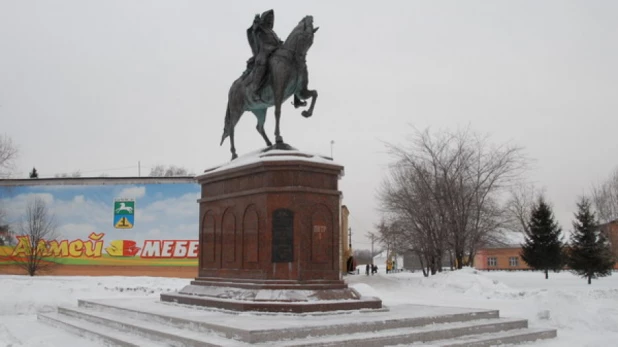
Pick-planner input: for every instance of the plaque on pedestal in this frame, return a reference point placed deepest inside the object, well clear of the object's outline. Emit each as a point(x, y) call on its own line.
point(283, 236)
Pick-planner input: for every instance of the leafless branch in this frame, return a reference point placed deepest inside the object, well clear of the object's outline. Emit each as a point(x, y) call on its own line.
point(605, 198)
point(444, 187)
point(522, 198)
point(37, 229)
point(8, 154)
point(170, 171)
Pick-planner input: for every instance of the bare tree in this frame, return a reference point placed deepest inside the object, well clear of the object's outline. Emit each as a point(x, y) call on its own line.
point(415, 214)
point(491, 170)
point(8, 153)
point(170, 171)
point(74, 174)
point(519, 205)
point(2, 212)
point(385, 235)
point(605, 198)
point(5, 231)
point(37, 229)
point(490, 229)
point(444, 188)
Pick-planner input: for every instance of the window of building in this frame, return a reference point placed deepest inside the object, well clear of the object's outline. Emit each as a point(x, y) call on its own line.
point(492, 261)
point(513, 261)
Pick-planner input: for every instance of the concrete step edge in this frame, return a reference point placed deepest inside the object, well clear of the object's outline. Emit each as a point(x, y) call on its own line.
point(148, 329)
point(265, 335)
point(515, 336)
point(434, 332)
point(166, 319)
point(103, 335)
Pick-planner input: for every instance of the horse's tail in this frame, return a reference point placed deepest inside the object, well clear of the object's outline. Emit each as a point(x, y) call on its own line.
point(228, 124)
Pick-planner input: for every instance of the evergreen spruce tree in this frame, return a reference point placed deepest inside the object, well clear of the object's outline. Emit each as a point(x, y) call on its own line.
point(590, 254)
point(543, 246)
point(34, 173)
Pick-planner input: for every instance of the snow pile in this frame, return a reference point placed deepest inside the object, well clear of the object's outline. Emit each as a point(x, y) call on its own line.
point(30, 295)
point(465, 281)
point(271, 155)
point(585, 315)
point(365, 290)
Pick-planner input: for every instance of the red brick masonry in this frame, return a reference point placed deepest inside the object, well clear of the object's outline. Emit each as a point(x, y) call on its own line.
point(268, 230)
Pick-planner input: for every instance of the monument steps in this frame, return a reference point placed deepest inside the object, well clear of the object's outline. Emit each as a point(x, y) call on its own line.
point(509, 337)
point(94, 332)
point(433, 332)
point(128, 332)
point(147, 322)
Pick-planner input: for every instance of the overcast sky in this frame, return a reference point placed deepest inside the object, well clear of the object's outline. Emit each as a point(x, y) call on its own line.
point(100, 85)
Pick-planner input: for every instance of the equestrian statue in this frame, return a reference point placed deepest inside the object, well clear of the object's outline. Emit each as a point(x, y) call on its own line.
point(276, 71)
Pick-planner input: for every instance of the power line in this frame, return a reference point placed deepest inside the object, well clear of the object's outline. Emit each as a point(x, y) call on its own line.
point(373, 239)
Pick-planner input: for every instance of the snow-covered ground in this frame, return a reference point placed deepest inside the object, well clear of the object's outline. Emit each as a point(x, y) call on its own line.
point(585, 315)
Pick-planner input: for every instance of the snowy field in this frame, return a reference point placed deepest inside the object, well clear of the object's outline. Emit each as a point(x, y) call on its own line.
point(585, 315)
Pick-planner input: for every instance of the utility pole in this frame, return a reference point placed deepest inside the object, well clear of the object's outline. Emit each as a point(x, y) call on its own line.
point(139, 169)
point(332, 142)
point(373, 237)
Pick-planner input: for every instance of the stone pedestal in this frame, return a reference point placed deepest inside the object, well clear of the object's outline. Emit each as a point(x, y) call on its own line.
point(270, 238)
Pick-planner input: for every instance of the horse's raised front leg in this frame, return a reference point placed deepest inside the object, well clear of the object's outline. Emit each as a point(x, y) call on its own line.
point(306, 94)
point(298, 102)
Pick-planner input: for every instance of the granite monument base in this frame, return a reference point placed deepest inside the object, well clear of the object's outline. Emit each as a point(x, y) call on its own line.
point(270, 237)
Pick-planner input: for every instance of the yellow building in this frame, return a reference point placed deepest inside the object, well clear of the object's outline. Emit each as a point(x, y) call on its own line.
point(344, 238)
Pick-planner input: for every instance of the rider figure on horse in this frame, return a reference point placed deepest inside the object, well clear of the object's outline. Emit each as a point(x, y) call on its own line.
point(263, 41)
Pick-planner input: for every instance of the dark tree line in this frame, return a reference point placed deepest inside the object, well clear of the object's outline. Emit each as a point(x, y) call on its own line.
point(543, 246)
point(588, 254)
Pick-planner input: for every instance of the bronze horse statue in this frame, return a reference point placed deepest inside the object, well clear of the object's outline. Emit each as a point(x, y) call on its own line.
point(287, 75)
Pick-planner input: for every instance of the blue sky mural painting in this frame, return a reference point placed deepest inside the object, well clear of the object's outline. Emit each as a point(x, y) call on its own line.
point(163, 211)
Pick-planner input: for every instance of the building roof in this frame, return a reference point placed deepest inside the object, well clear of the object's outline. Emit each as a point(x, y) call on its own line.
point(508, 246)
point(615, 221)
point(95, 181)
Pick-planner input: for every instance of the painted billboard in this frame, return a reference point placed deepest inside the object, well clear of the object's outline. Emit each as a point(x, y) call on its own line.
point(110, 222)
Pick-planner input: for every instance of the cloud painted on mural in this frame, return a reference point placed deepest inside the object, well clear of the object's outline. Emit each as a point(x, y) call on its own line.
point(163, 211)
point(73, 231)
point(133, 192)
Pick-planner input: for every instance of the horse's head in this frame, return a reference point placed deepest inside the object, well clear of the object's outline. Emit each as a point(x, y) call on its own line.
point(301, 38)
